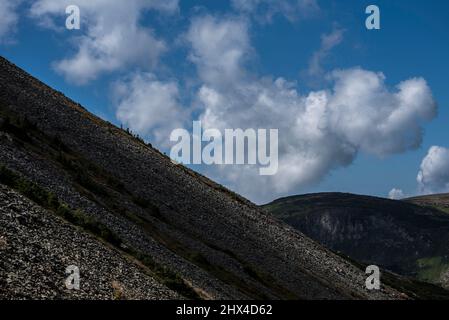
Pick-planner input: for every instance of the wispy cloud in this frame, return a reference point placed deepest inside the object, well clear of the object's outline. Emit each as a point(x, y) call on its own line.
point(328, 42)
point(112, 37)
point(265, 10)
point(8, 19)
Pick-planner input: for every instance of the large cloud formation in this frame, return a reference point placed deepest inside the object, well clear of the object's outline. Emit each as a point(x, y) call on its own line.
point(433, 176)
point(318, 131)
point(112, 37)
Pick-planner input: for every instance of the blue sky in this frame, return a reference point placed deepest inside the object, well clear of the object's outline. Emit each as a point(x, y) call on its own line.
point(275, 43)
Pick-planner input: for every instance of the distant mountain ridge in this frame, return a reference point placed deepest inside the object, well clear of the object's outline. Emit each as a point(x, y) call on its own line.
point(437, 201)
point(401, 236)
point(186, 235)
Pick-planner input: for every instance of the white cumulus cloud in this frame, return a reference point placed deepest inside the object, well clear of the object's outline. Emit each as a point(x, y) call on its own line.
point(318, 131)
point(219, 48)
point(148, 106)
point(112, 37)
point(433, 176)
point(396, 194)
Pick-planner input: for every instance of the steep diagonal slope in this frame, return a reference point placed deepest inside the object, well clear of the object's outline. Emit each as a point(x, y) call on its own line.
point(36, 248)
point(220, 244)
point(402, 237)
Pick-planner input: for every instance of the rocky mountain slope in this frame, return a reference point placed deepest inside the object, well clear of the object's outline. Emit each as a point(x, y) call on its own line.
point(78, 190)
point(34, 244)
point(399, 236)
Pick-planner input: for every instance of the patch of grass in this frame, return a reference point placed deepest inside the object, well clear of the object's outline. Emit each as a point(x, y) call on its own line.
point(48, 200)
point(171, 279)
point(262, 278)
point(116, 184)
point(83, 172)
point(431, 269)
point(57, 144)
point(441, 208)
point(17, 126)
point(252, 273)
point(198, 259)
point(413, 288)
point(144, 203)
point(80, 172)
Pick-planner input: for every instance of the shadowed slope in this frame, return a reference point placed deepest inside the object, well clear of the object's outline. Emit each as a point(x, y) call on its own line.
point(399, 236)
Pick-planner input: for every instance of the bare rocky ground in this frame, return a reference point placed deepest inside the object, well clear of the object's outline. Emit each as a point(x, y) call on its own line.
point(36, 247)
point(221, 245)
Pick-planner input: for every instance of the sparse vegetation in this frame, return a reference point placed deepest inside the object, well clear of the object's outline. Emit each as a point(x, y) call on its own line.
point(49, 201)
point(171, 279)
point(18, 126)
point(86, 175)
point(415, 289)
point(405, 234)
point(77, 217)
point(118, 292)
point(430, 269)
point(81, 174)
point(199, 259)
point(141, 202)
